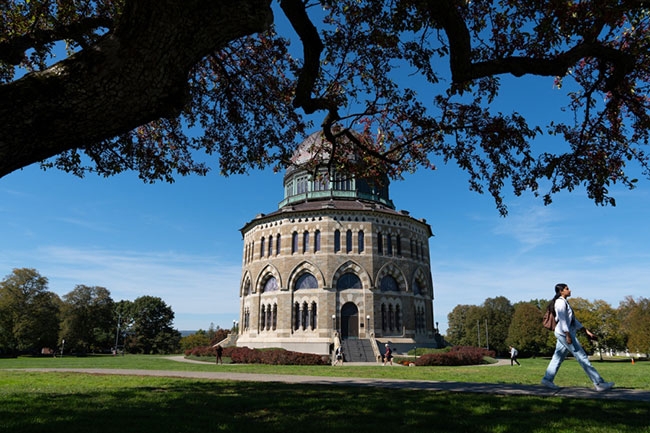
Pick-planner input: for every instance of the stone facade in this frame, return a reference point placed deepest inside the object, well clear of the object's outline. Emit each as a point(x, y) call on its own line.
point(335, 260)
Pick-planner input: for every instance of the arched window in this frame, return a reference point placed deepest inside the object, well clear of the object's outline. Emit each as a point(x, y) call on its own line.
point(348, 281)
point(337, 241)
point(380, 243)
point(270, 246)
point(271, 285)
point(391, 318)
point(305, 242)
point(317, 240)
point(388, 284)
point(294, 243)
point(277, 245)
point(389, 244)
point(416, 288)
point(247, 288)
point(398, 241)
point(263, 317)
point(262, 247)
point(306, 281)
point(361, 243)
point(348, 241)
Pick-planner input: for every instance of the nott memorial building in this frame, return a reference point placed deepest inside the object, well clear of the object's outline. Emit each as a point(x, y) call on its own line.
point(335, 264)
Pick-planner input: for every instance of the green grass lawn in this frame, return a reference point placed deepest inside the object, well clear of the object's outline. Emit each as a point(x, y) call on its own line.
point(39, 402)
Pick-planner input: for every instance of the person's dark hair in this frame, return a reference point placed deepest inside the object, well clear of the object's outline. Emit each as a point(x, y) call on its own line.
point(558, 289)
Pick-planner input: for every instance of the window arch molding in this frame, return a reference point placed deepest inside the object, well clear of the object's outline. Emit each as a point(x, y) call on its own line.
point(305, 267)
point(420, 281)
point(395, 272)
point(354, 268)
point(246, 287)
point(268, 272)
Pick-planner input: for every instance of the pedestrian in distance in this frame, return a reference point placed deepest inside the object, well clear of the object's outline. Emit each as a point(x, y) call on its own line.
point(513, 356)
point(338, 355)
point(565, 331)
point(219, 354)
point(388, 354)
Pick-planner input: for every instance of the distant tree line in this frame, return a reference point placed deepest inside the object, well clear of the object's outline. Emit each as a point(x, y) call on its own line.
point(497, 324)
point(87, 319)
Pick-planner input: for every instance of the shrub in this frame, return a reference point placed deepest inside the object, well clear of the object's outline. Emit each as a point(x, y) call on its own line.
point(457, 355)
point(245, 355)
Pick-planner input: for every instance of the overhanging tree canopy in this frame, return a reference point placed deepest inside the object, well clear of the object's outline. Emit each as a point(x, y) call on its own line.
point(148, 83)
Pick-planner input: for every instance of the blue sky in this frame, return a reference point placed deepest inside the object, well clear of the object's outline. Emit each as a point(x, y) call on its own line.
point(181, 241)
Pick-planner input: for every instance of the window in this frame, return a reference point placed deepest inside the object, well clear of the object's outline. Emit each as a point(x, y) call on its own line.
point(271, 285)
point(389, 244)
point(296, 316)
point(305, 242)
point(247, 288)
point(360, 246)
point(380, 243)
point(263, 317)
point(305, 316)
point(314, 315)
point(337, 241)
point(398, 319)
point(348, 281)
point(388, 284)
point(306, 281)
point(398, 241)
point(321, 182)
point(348, 241)
point(317, 240)
point(274, 317)
point(301, 185)
point(294, 243)
point(277, 245)
point(270, 246)
point(416, 288)
point(262, 247)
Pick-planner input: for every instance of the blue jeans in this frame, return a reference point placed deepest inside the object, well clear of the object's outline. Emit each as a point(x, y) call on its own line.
point(562, 349)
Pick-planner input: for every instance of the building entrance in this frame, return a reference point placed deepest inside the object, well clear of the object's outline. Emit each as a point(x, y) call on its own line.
point(349, 321)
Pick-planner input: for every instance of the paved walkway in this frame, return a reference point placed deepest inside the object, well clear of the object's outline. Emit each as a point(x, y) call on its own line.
point(466, 387)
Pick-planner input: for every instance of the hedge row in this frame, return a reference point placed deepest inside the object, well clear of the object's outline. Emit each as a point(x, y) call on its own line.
point(457, 355)
point(245, 355)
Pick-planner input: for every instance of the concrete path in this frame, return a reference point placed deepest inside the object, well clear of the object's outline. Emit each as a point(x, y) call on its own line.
point(430, 385)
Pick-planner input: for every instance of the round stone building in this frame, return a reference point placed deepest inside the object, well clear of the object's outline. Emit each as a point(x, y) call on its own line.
point(336, 263)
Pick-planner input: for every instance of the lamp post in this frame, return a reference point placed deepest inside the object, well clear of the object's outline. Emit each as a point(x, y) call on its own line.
point(117, 332)
point(62, 347)
point(368, 323)
point(334, 322)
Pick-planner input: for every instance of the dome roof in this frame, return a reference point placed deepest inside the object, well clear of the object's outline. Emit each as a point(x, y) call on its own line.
point(309, 177)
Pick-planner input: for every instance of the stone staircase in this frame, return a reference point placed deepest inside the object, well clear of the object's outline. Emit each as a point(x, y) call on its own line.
point(358, 350)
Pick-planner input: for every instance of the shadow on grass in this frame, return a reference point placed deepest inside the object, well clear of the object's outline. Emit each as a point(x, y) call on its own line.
point(178, 405)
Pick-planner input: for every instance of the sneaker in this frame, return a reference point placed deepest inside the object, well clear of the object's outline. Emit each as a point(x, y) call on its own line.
point(547, 383)
point(604, 386)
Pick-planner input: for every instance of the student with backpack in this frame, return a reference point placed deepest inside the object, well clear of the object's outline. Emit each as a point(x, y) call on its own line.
point(513, 356)
point(565, 332)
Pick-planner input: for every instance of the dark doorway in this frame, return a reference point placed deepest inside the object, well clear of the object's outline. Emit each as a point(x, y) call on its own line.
point(349, 321)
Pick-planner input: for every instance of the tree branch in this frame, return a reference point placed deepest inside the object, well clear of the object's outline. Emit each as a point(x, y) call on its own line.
point(134, 75)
